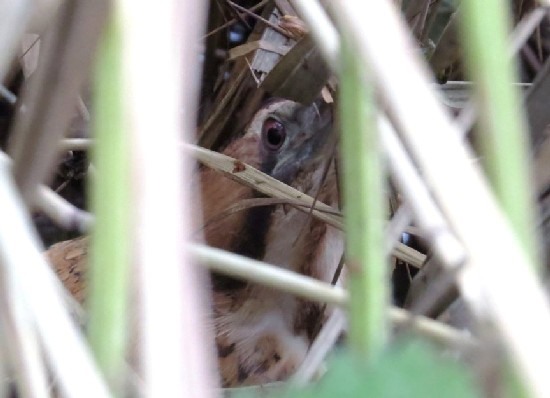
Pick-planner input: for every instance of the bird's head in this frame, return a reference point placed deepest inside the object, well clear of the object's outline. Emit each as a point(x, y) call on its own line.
point(286, 140)
point(291, 138)
point(263, 334)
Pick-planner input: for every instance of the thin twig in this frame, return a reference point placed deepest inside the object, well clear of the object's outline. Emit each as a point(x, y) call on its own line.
point(30, 47)
point(326, 168)
point(261, 19)
point(427, 214)
point(75, 144)
point(269, 186)
point(10, 97)
point(325, 340)
point(397, 225)
point(62, 212)
point(337, 324)
point(259, 272)
point(232, 21)
point(312, 289)
point(246, 204)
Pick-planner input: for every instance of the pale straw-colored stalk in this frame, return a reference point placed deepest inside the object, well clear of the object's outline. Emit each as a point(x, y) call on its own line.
point(161, 63)
point(312, 289)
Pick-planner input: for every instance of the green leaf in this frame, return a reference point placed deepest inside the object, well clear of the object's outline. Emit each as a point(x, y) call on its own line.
point(409, 368)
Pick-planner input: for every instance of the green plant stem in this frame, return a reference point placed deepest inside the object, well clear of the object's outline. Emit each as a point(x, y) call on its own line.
point(485, 27)
point(110, 250)
point(363, 209)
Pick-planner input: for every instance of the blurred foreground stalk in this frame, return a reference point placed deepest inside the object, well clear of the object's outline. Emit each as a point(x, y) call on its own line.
point(502, 131)
point(485, 28)
point(110, 256)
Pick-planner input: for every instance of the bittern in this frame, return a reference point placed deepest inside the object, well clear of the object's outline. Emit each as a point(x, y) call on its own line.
point(263, 334)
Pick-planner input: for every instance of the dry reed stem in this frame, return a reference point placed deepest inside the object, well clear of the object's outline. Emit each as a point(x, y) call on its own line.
point(275, 188)
point(23, 346)
point(14, 16)
point(325, 340)
point(60, 211)
point(309, 288)
point(270, 187)
point(51, 96)
point(426, 213)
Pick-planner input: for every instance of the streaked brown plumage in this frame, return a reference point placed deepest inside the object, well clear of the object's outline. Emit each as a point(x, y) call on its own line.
point(262, 334)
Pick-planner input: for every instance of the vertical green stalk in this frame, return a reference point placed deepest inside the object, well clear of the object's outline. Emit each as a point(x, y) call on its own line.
point(110, 194)
point(363, 208)
point(485, 26)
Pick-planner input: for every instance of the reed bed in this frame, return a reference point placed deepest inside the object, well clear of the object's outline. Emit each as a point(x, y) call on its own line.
point(160, 89)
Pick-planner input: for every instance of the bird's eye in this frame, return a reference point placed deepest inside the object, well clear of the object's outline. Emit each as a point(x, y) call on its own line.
point(273, 134)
